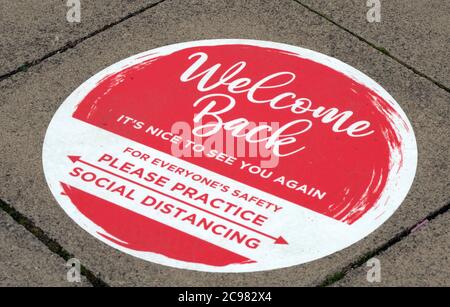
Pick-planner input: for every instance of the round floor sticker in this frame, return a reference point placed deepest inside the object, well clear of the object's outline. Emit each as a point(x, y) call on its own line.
point(230, 155)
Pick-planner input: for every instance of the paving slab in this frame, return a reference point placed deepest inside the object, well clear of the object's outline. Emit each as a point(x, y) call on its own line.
point(29, 99)
point(32, 29)
point(25, 261)
point(416, 32)
point(420, 260)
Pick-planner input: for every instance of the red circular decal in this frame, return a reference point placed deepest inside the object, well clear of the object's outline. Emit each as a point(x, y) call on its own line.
point(230, 155)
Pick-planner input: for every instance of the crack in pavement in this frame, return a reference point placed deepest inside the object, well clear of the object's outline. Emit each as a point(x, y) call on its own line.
point(380, 49)
point(50, 243)
point(335, 277)
point(73, 44)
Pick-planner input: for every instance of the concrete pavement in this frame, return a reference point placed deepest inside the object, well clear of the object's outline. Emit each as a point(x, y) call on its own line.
point(29, 98)
point(25, 261)
point(37, 29)
point(420, 259)
point(413, 32)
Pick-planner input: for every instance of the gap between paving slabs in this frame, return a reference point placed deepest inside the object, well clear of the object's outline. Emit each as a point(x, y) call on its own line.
point(72, 44)
point(333, 278)
point(51, 244)
point(381, 49)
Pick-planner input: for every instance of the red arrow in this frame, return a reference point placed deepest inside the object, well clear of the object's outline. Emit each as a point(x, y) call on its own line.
point(279, 240)
point(74, 158)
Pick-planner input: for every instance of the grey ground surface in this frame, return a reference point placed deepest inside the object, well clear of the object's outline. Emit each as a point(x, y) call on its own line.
point(29, 98)
point(25, 261)
point(414, 31)
point(33, 29)
point(422, 259)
